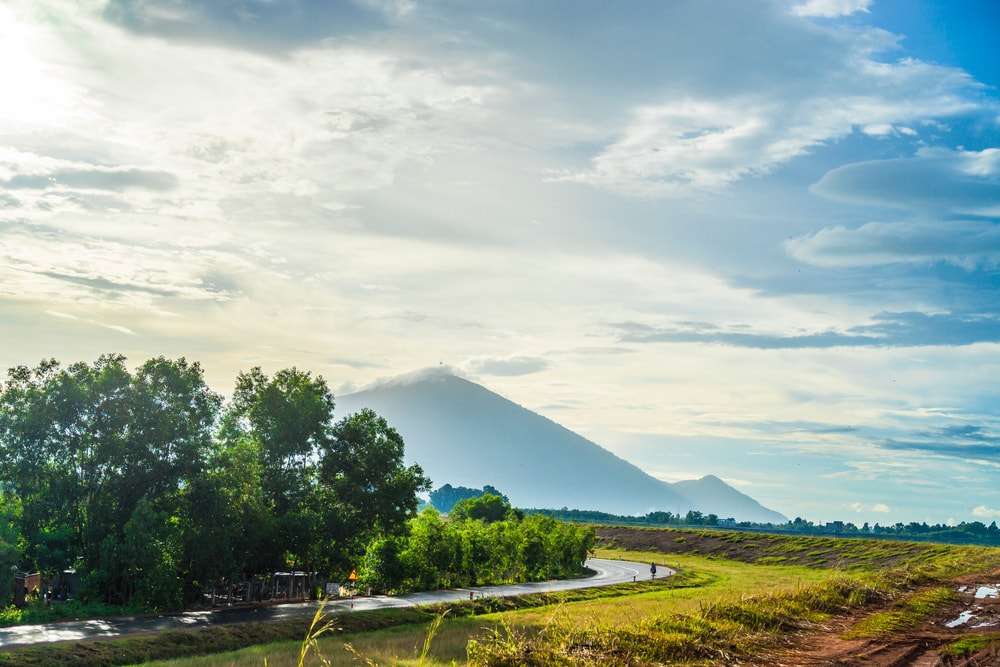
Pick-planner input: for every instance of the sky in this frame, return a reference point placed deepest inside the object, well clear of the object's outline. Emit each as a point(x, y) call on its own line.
point(754, 239)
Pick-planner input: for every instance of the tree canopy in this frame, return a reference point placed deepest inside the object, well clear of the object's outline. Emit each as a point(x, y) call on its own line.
point(155, 488)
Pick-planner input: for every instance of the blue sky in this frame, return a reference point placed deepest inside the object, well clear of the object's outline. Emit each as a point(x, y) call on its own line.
point(755, 239)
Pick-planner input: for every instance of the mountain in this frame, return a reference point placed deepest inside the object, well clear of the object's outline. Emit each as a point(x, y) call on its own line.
point(463, 434)
point(711, 495)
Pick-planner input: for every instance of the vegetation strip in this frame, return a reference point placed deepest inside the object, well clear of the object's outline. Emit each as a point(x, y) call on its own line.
point(181, 643)
point(827, 552)
point(970, 645)
point(909, 612)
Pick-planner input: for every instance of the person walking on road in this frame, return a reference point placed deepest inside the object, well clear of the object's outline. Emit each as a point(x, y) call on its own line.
point(652, 570)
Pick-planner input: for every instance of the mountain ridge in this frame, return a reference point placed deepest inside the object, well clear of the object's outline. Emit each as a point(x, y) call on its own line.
point(464, 434)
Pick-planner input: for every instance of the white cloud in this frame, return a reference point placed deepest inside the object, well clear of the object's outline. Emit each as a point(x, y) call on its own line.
point(682, 147)
point(935, 184)
point(509, 366)
point(965, 243)
point(831, 8)
point(878, 129)
point(112, 327)
point(860, 507)
point(935, 180)
point(984, 512)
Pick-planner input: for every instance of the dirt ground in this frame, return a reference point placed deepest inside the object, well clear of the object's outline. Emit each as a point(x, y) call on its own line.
point(926, 646)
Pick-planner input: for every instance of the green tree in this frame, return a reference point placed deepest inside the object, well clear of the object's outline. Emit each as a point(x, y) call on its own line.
point(290, 415)
point(487, 507)
point(81, 446)
point(375, 492)
point(381, 567)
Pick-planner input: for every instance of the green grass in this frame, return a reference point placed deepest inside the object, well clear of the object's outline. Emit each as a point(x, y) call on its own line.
point(38, 612)
point(719, 633)
point(970, 645)
point(907, 613)
point(720, 580)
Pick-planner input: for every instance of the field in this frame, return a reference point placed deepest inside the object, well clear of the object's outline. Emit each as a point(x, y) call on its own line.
point(739, 596)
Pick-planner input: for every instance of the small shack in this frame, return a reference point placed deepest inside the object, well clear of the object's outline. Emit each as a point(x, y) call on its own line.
point(65, 585)
point(291, 585)
point(26, 585)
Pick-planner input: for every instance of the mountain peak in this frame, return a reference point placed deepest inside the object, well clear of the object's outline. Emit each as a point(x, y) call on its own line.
point(441, 372)
point(464, 434)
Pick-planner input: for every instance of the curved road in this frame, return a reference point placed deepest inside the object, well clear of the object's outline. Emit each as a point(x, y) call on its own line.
point(608, 572)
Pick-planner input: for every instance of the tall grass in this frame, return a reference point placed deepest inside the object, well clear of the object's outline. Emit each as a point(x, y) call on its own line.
point(718, 632)
point(323, 624)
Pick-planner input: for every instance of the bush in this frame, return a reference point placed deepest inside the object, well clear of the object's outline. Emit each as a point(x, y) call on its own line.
point(464, 551)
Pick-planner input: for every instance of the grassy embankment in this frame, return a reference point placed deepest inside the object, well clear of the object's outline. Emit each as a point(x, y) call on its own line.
point(749, 591)
point(902, 575)
point(702, 579)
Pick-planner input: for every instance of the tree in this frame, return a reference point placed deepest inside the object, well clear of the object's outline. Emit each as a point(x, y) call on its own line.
point(445, 497)
point(487, 507)
point(290, 415)
point(381, 567)
point(361, 463)
point(228, 531)
point(11, 542)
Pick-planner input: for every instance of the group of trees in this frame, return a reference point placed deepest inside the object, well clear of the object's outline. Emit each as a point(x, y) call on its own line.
point(691, 518)
point(154, 488)
point(482, 541)
point(972, 532)
point(966, 532)
point(445, 497)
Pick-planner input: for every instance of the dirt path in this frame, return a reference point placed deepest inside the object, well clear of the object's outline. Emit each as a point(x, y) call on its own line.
point(976, 613)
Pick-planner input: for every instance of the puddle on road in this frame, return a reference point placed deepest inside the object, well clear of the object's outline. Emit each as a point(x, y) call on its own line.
point(987, 592)
point(962, 619)
point(982, 611)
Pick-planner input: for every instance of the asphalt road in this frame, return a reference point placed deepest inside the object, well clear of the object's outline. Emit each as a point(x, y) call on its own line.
point(608, 572)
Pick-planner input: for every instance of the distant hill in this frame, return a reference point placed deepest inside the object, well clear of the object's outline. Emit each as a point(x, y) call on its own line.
point(463, 434)
point(710, 495)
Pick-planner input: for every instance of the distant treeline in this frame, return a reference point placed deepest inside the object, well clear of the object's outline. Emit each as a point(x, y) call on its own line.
point(975, 532)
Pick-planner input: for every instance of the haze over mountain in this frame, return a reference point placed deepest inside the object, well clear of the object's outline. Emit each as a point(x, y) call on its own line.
point(464, 434)
point(713, 496)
